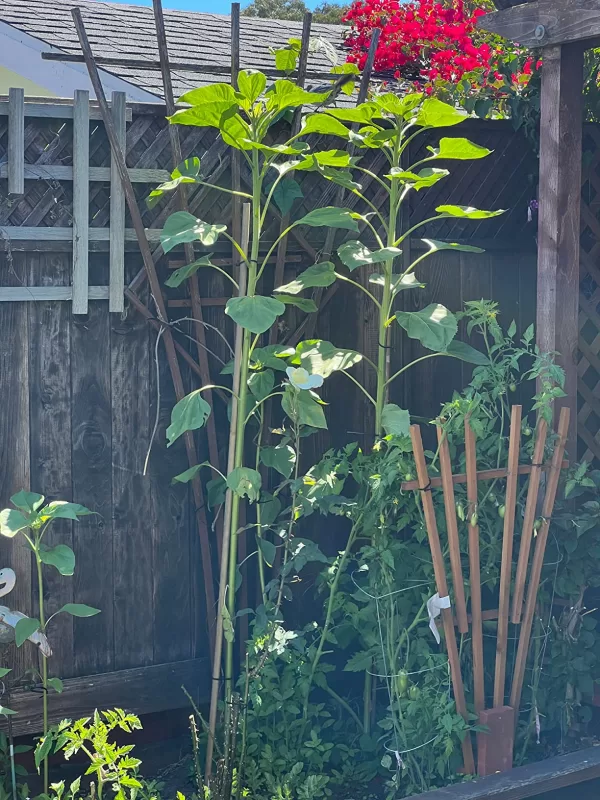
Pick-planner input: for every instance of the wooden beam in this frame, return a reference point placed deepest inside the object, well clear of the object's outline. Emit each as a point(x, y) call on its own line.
point(58, 172)
point(546, 23)
point(559, 213)
point(531, 780)
point(145, 690)
point(16, 142)
point(58, 108)
point(14, 233)
point(81, 199)
point(116, 299)
point(20, 294)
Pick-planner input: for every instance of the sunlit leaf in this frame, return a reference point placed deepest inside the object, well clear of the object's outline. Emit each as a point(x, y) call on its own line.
point(434, 326)
point(61, 509)
point(400, 283)
point(322, 274)
point(398, 106)
point(272, 356)
point(324, 124)
point(459, 149)
point(256, 314)
point(79, 610)
point(319, 357)
point(56, 684)
point(183, 227)
point(434, 245)
point(27, 501)
point(361, 113)
point(204, 115)
point(329, 217)
point(245, 482)
point(281, 458)
point(214, 93)
point(466, 212)
point(251, 84)
point(422, 179)
point(433, 113)
point(190, 413)
point(24, 629)
point(302, 408)
point(467, 353)
point(60, 556)
point(286, 59)
point(304, 304)
point(286, 94)
point(11, 522)
point(355, 254)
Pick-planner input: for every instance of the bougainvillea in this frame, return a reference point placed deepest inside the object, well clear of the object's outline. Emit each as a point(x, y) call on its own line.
point(435, 43)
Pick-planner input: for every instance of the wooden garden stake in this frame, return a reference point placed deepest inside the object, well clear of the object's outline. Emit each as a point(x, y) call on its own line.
point(442, 588)
point(507, 550)
point(538, 558)
point(474, 569)
point(529, 520)
point(155, 288)
point(216, 670)
point(452, 526)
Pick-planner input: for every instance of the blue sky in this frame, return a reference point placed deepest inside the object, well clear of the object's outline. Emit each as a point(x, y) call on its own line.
point(216, 6)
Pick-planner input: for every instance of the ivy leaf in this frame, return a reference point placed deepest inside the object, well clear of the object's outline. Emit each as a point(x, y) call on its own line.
point(261, 383)
point(267, 550)
point(257, 314)
point(27, 501)
point(355, 254)
point(285, 193)
point(308, 306)
point(423, 179)
point(24, 629)
point(251, 84)
point(319, 357)
point(434, 326)
point(190, 413)
point(181, 274)
point(60, 556)
point(434, 245)
point(465, 352)
point(301, 407)
point(183, 227)
point(324, 124)
point(459, 149)
point(79, 610)
point(322, 274)
point(11, 522)
point(395, 420)
point(282, 458)
point(56, 684)
point(466, 212)
point(329, 217)
point(436, 114)
point(245, 482)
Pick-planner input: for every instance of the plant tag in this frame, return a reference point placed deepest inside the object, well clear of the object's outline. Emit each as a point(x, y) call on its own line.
point(434, 609)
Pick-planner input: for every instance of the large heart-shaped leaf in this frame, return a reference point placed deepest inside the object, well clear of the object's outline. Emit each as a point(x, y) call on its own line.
point(325, 158)
point(79, 610)
point(282, 458)
point(286, 59)
point(324, 124)
point(213, 93)
point(329, 217)
point(285, 193)
point(27, 501)
point(434, 326)
point(181, 274)
point(24, 629)
point(395, 420)
point(286, 94)
point(466, 212)
point(245, 482)
point(436, 114)
point(261, 383)
point(400, 283)
point(360, 113)
point(304, 304)
point(11, 522)
point(257, 314)
point(61, 509)
point(251, 84)
point(467, 353)
point(434, 245)
point(459, 149)
point(60, 556)
point(318, 275)
point(301, 407)
point(183, 227)
point(355, 254)
point(190, 413)
point(319, 357)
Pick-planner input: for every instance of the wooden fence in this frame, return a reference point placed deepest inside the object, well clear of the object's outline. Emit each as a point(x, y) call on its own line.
point(82, 380)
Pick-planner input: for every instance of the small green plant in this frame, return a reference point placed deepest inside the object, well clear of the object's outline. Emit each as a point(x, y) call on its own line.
point(31, 518)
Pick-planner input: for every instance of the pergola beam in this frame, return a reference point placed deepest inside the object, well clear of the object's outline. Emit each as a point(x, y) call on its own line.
point(546, 23)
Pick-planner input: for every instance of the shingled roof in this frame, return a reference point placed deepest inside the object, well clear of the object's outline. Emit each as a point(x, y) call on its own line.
point(127, 31)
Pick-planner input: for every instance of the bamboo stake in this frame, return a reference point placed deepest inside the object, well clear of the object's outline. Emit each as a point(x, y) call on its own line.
point(452, 526)
point(474, 570)
point(174, 137)
point(507, 550)
point(529, 521)
point(216, 671)
point(155, 288)
point(442, 588)
point(538, 560)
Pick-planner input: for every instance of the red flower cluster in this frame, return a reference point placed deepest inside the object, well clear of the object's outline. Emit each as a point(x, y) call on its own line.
point(423, 40)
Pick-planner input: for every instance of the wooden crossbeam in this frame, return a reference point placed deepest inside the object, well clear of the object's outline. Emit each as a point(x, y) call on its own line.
point(55, 109)
point(547, 22)
point(58, 172)
point(483, 475)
